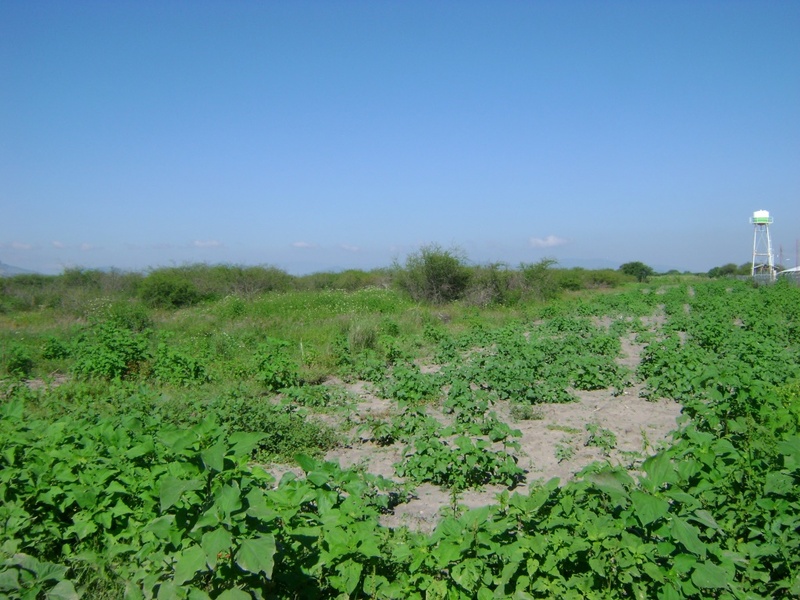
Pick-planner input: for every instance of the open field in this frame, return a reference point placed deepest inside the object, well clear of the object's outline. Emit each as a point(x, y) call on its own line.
point(639, 440)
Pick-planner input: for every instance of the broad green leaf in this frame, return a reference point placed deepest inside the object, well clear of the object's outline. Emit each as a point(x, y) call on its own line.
point(234, 594)
point(177, 440)
point(317, 478)
point(790, 449)
point(659, 469)
point(215, 543)
point(257, 555)
point(214, 457)
point(168, 590)
point(350, 572)
point(648, 508)
point(9, 580)
point(778, 484)
point(229, 499)
point(83, 527)
point(171, 489)
point(63, 590)
point(306, 463)
point(687, 535)
point(708, 575)
point(190, 561)
point(668, 592)
point(610, 483)
point(144, 447)
point(161, 526)
point(706, 518)
point(243, 442)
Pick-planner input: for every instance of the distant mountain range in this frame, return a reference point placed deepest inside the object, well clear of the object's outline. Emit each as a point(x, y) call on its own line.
point(10, 270)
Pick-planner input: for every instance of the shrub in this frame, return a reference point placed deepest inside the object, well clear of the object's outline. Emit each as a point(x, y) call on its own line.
point(110, 351)
point(128, 315)
point(168, 288)
point(18, 362)
point(491, 284)
point(286, 433)
point(539, 279)
point(637, 269)
point(54, 349)
point(274, 368)
point(175, 367)
point(434, 275)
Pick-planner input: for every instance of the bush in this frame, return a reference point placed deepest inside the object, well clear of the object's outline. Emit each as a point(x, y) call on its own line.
point(168, 288)
point(434, 275)
point(492, 284)
point(172, 366)
point(539, 279)
point(638, 270)
point(18, 362)
point(287, 433)
point(274, 368)
point(110, 351)
point(54, 349)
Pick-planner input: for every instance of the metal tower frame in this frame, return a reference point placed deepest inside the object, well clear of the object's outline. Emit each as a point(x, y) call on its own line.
point(762, 244)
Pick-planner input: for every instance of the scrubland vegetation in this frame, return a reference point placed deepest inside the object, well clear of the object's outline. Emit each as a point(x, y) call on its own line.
point(140, 415)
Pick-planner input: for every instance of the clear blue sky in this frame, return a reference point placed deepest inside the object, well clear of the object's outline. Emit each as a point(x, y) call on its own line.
point(327, 135)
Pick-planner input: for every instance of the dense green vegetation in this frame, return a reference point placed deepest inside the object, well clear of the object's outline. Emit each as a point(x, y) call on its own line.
point(138, 414)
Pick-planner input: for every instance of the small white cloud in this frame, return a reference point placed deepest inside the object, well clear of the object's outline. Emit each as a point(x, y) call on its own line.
point(349, 248)
point(86, 247)
point(21, 246)
point(551, 241)
point(207, 244)
point(57, 244)
point(303, 245)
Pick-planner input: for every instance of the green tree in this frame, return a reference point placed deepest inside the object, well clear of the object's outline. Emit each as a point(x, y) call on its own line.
point(637, 269)
point(539, 279)
point(434, 274)
point(726, 270)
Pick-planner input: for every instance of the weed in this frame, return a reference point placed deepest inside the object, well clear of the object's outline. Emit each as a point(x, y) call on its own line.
point(564, 452)
point(526, 412)
point(19, 362)
point(600, 437)
point(564, 428)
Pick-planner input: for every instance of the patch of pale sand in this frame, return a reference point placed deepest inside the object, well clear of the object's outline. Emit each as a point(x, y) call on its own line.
point(639, 426)
point(553, 445)
point(431, 503)
point(378, 460)
point(631, 352)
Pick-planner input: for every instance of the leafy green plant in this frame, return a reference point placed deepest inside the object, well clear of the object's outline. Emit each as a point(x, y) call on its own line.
point(274, 368)
point(526, 412)
point(19, 362)
point(110, 351)
point(564, 452)
point(283, 432)
point(23, 576)
point(409, 384)
point(600, 437)
point(54, 349)
point(434, 274)
point(178, 368)
point(168, 288)
point(317, 396)
point(467, 463)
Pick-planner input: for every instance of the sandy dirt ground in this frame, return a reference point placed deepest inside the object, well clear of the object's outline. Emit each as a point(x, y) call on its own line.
point(552, 445)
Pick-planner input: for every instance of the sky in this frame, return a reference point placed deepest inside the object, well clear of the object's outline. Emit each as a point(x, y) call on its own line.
point(327, 135)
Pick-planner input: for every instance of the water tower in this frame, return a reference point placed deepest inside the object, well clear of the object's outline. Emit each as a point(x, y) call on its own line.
point(762, 245)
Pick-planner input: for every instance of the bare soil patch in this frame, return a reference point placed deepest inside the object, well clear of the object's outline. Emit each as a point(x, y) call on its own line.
point(554, 444)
